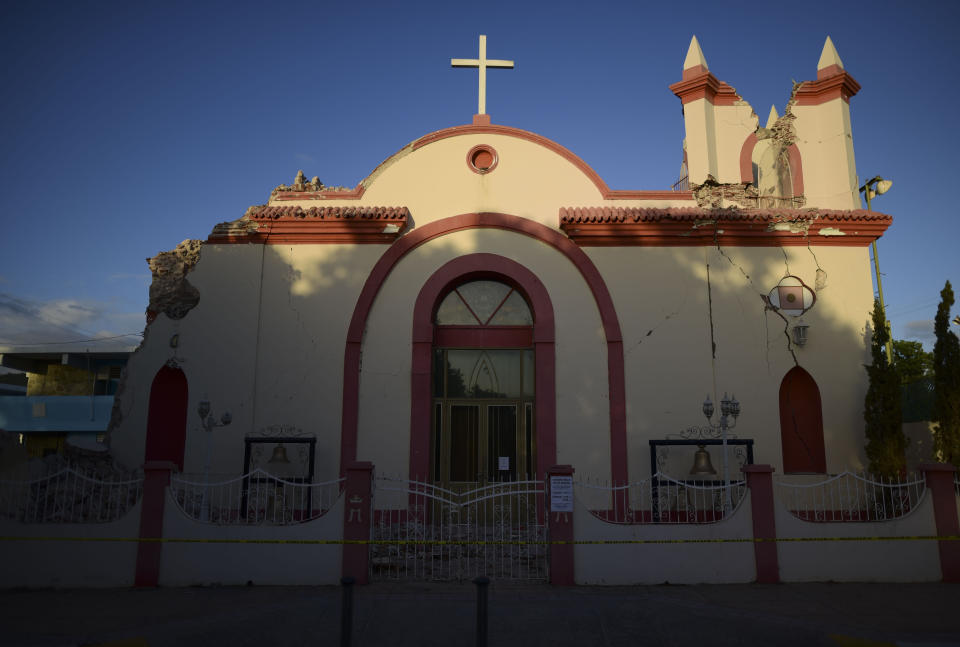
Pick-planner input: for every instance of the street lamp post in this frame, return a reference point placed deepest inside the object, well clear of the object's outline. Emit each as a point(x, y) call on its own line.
point(728, 407)
point(209, 423)
point(871, 188)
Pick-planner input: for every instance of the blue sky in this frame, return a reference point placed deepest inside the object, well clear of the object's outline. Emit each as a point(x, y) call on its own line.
point(129, 127)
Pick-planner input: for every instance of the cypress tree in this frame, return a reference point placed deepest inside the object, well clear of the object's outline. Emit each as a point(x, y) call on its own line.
point(886, 442)
point(946, 383)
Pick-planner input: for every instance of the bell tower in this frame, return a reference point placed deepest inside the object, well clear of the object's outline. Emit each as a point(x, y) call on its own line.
point(824, 134)
point(717, 120)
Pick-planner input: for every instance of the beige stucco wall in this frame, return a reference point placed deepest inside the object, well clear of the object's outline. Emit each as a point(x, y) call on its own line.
point(701, 142)
point(67, 564)
point(435, 182)
point(661, 298)
point(825, 141)
point(215, 349)
point(271, 353)
point(733, 125)
point(677, 560)
point(871, 560)
point(219, 554)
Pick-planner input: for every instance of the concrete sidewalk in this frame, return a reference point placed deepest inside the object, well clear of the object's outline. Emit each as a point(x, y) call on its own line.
point(529, 615)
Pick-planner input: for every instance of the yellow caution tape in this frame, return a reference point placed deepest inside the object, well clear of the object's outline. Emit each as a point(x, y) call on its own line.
point(456, 542)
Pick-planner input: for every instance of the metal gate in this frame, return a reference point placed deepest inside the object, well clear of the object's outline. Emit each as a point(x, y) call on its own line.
point(425, 532)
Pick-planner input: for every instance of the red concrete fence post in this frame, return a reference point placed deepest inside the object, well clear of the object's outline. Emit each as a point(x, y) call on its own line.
point(156, 478)
point(357, 515)
point(940, 478)
point(760, 482)
point(560, 520)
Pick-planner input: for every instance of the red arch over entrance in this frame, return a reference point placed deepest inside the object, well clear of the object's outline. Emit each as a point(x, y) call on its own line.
point(420, 235)
point(466, 268)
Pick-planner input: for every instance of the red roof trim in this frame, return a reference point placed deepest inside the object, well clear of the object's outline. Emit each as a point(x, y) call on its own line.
point(812, 93)
point(298, 225)
point(705, 86)
point(619, 226)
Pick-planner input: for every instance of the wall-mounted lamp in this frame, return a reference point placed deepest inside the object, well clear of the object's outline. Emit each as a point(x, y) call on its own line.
point(800, 333)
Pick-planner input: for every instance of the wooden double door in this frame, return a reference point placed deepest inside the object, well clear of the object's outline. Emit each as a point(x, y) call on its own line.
point(482, 442)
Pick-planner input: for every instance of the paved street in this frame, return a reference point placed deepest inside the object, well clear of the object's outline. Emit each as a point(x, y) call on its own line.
point(444, 614)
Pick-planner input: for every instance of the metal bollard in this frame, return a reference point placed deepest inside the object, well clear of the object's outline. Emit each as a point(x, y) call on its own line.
point(482, 585)
point(346, 611)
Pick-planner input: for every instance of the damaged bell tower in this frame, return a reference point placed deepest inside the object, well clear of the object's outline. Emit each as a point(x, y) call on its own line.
point(803, 158)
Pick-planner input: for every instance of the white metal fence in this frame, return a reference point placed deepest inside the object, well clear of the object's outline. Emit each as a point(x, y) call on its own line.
point(423, 531)
point(661, 499)
point(253, 498)
point(70, 495)
point(851, 497)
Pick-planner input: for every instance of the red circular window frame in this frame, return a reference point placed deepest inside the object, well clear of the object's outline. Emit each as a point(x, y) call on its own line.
point(474, 153)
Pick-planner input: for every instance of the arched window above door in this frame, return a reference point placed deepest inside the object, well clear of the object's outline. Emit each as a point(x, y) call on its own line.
point(483, 303)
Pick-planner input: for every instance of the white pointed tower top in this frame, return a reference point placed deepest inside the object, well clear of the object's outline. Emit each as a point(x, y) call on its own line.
point(828, 56)
point(772, 119)
point(694, 56)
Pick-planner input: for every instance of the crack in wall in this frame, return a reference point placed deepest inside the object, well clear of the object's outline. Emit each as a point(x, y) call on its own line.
point(650, 332)
point(292, 276)
point(820, 282)
point(763, 297)
point(713, 343)
point(786, 261)
point(769, 307)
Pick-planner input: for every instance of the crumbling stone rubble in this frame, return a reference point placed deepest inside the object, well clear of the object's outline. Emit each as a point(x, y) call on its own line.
point(300, 184)
point(712, 195)
point(171, 293)
point(239, 227)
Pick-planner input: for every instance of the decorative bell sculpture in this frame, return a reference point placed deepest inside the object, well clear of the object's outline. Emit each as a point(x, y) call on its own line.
point(279, 456)
point(701, 463)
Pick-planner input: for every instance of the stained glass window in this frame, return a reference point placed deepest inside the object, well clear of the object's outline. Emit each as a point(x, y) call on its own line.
point(484, 303)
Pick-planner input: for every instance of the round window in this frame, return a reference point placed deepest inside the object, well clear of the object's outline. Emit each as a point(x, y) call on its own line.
point(482, 159)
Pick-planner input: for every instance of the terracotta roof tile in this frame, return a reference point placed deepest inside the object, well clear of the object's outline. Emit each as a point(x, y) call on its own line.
point(265, 212)
point(673, 226)
point(571, 215)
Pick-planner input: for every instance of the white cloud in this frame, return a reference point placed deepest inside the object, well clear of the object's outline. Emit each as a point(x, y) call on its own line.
point(52, 325)
point(143, 277)
point(919, 330)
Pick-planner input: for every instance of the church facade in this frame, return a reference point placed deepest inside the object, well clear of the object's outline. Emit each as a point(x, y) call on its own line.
point(482, 307)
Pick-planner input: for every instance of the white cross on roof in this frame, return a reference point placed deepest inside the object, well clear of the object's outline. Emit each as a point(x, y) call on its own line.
point(482, 63)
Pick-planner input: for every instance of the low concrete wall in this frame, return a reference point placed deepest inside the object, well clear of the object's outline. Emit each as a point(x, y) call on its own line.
point(677, 563)
point(185, 564)
point(59, 563)
point(859, 561)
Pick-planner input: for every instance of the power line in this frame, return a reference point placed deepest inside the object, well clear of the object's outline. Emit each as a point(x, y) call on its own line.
point(74, 341)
